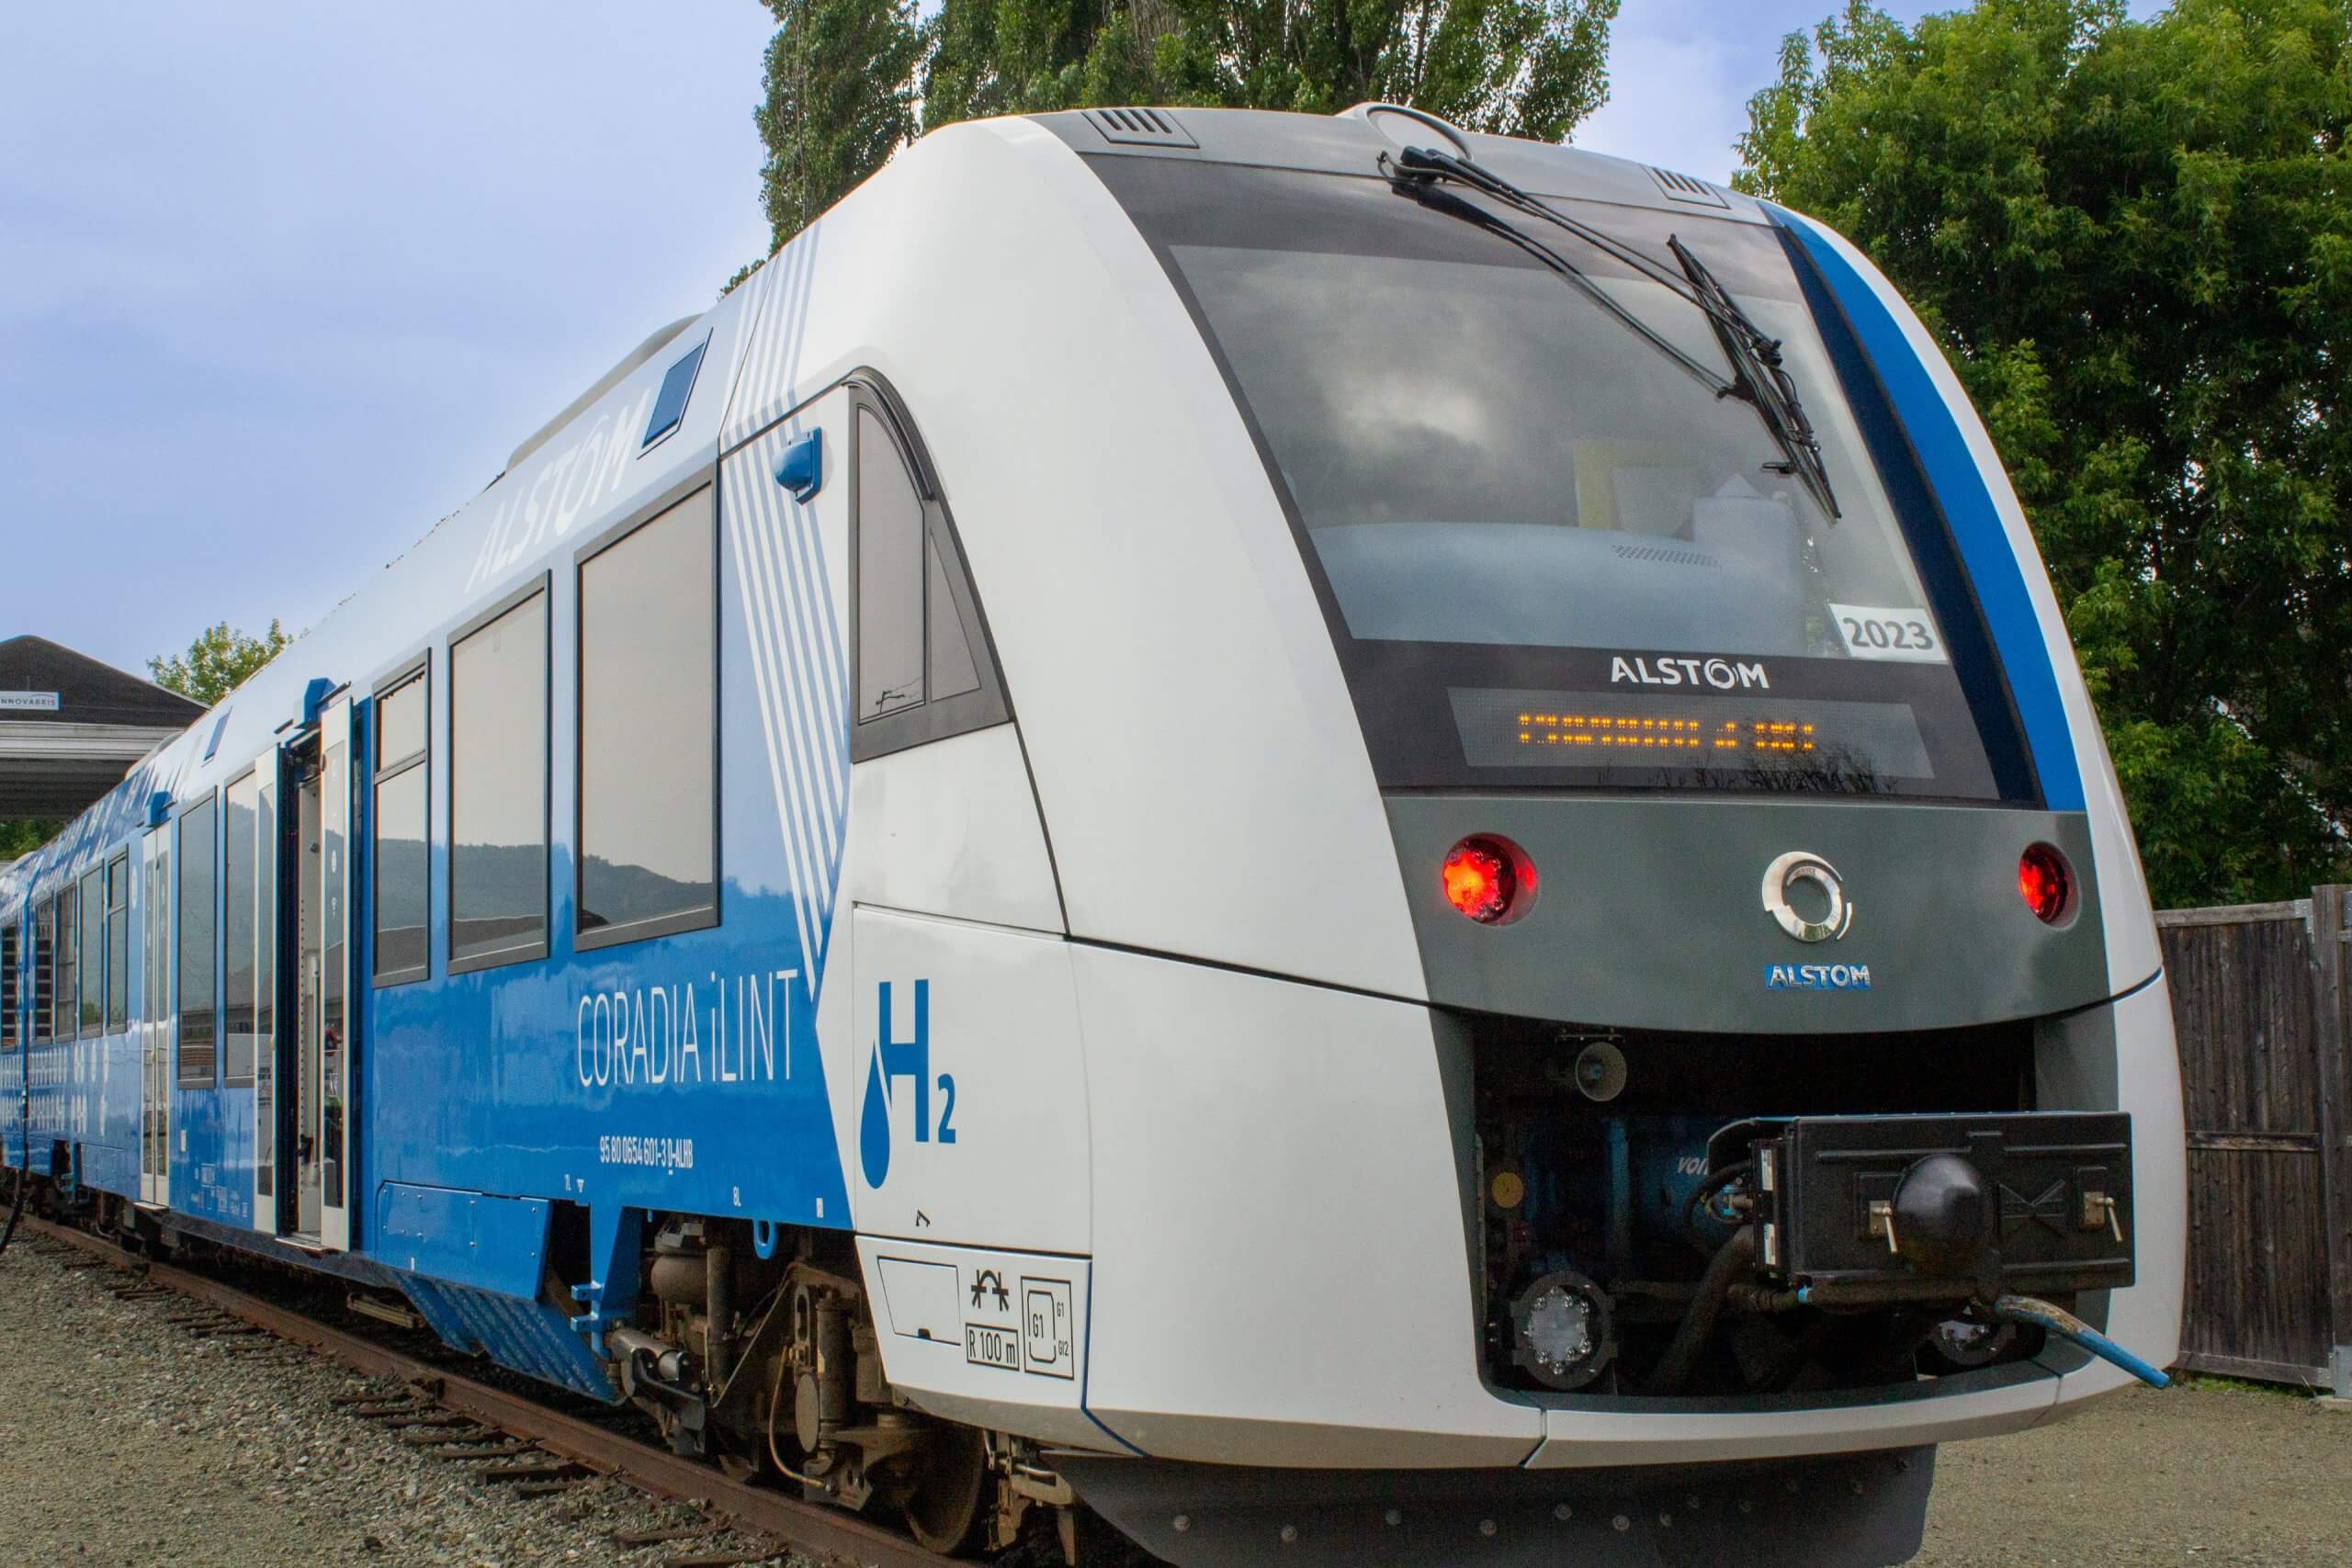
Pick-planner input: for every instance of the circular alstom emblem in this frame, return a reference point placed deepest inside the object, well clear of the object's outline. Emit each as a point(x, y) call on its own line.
point(1794, 870)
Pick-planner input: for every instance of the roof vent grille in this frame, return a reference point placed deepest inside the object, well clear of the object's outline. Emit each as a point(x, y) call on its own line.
point(1682, 187)
point(1658, 553)
point(1140, 127)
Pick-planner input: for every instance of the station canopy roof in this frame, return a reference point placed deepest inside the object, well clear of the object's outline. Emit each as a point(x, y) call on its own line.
point(70, 726)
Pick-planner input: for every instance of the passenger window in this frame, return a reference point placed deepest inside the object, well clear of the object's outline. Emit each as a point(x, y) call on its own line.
point(240, 878)
point(118, 944)
point(498, 789)
point(401, 949)
point(648, 729)
point(11, 984)
point(199, 947)
point(922, 668)
point(44, 968)
point(66, 999)
point(91, 902)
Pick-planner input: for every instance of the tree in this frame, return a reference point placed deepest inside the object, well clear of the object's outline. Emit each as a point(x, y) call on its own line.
point(25, 835)
point(1532, 68)
point(217, 662)
point(2133, 241)
point(842, 75)
point(840, 101)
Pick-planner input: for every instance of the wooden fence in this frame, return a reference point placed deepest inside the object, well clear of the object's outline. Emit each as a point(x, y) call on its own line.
point(2259, 997)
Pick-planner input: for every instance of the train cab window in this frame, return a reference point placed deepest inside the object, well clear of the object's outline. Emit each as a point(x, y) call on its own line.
point(117, 945)
point(922, 655)
point(240, 884)
point(403, 949)
point(649, 729)
point(91, 905)
point(44, 968)
point(11, 983)
point(498, 788)
point(199, 947)
point(65, 998)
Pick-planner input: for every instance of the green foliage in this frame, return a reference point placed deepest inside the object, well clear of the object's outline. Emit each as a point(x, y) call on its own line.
point(23, 837)
point(840, 101)
point(1522, 67)
point(217, 662)
point(2133, 241)
point(842, 75)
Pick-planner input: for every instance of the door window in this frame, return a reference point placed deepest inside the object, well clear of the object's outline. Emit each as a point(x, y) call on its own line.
point(118, 943)
point(198, 945)
point(401, 947)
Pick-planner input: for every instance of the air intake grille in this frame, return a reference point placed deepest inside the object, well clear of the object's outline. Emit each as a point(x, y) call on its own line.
point(1657, 553)
point(1140, 127)
point(1682, 187)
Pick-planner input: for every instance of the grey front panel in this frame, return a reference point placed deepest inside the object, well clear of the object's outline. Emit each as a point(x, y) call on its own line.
point(1649, 914)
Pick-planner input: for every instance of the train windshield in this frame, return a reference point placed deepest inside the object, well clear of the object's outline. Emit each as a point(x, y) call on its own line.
point(1553, 551)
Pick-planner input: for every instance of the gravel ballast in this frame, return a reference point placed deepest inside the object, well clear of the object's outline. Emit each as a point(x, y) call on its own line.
point(124, 1439)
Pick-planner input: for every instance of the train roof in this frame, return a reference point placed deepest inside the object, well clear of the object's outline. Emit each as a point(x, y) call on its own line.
point(1350, 143)
point(595, 460)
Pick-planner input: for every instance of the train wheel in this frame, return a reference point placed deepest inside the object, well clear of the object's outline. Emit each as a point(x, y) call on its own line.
point(947, 1510)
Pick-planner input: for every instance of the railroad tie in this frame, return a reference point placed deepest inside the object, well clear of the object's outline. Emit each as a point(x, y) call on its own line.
point(420, 1436)
point(480, 1449)
point(723, 1559)
point(655, 1537)
point(545, 1488)
point(550, 1469)
point(426, 1416)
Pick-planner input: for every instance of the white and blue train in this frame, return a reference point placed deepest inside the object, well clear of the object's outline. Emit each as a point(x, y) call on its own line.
point(1364, 844)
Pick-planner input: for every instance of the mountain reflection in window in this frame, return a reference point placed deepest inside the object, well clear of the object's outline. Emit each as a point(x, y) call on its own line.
point(647, 739)
point(498, 788)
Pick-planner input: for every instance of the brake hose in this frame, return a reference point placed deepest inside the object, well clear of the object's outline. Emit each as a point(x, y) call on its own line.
point(2067, 1325)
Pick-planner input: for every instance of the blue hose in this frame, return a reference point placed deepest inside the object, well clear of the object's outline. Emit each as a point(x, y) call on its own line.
point(2064, 1323)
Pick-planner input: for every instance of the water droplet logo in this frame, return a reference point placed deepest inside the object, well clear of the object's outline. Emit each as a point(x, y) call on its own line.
point(874, 1125)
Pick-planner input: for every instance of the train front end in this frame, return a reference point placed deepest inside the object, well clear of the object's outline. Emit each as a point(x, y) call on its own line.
point(1773, 1075)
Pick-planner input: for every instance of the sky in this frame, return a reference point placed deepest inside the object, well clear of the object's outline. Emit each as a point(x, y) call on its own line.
point(281, 285)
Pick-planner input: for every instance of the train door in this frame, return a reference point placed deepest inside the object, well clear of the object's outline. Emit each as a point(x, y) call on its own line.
point(269, 922)
point(157, 1020)
point(302, 957)
point(322, 900)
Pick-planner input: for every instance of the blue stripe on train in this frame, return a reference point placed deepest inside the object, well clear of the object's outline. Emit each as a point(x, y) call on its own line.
point(1968, 506)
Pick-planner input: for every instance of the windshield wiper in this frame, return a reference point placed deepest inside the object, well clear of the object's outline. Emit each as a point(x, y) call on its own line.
point(1444, 201)
point(1759, 377)
point(1762, 381)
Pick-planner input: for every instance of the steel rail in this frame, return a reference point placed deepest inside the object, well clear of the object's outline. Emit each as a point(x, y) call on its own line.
point(810, 1528)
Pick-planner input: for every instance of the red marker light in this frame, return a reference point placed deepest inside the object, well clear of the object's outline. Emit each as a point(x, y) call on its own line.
point(2045, 883)
point(1488, 879)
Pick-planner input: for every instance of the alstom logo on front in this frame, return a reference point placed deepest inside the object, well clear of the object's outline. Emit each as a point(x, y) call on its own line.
point(1816, 976)
point(1664, 669)
point(894, 1059)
